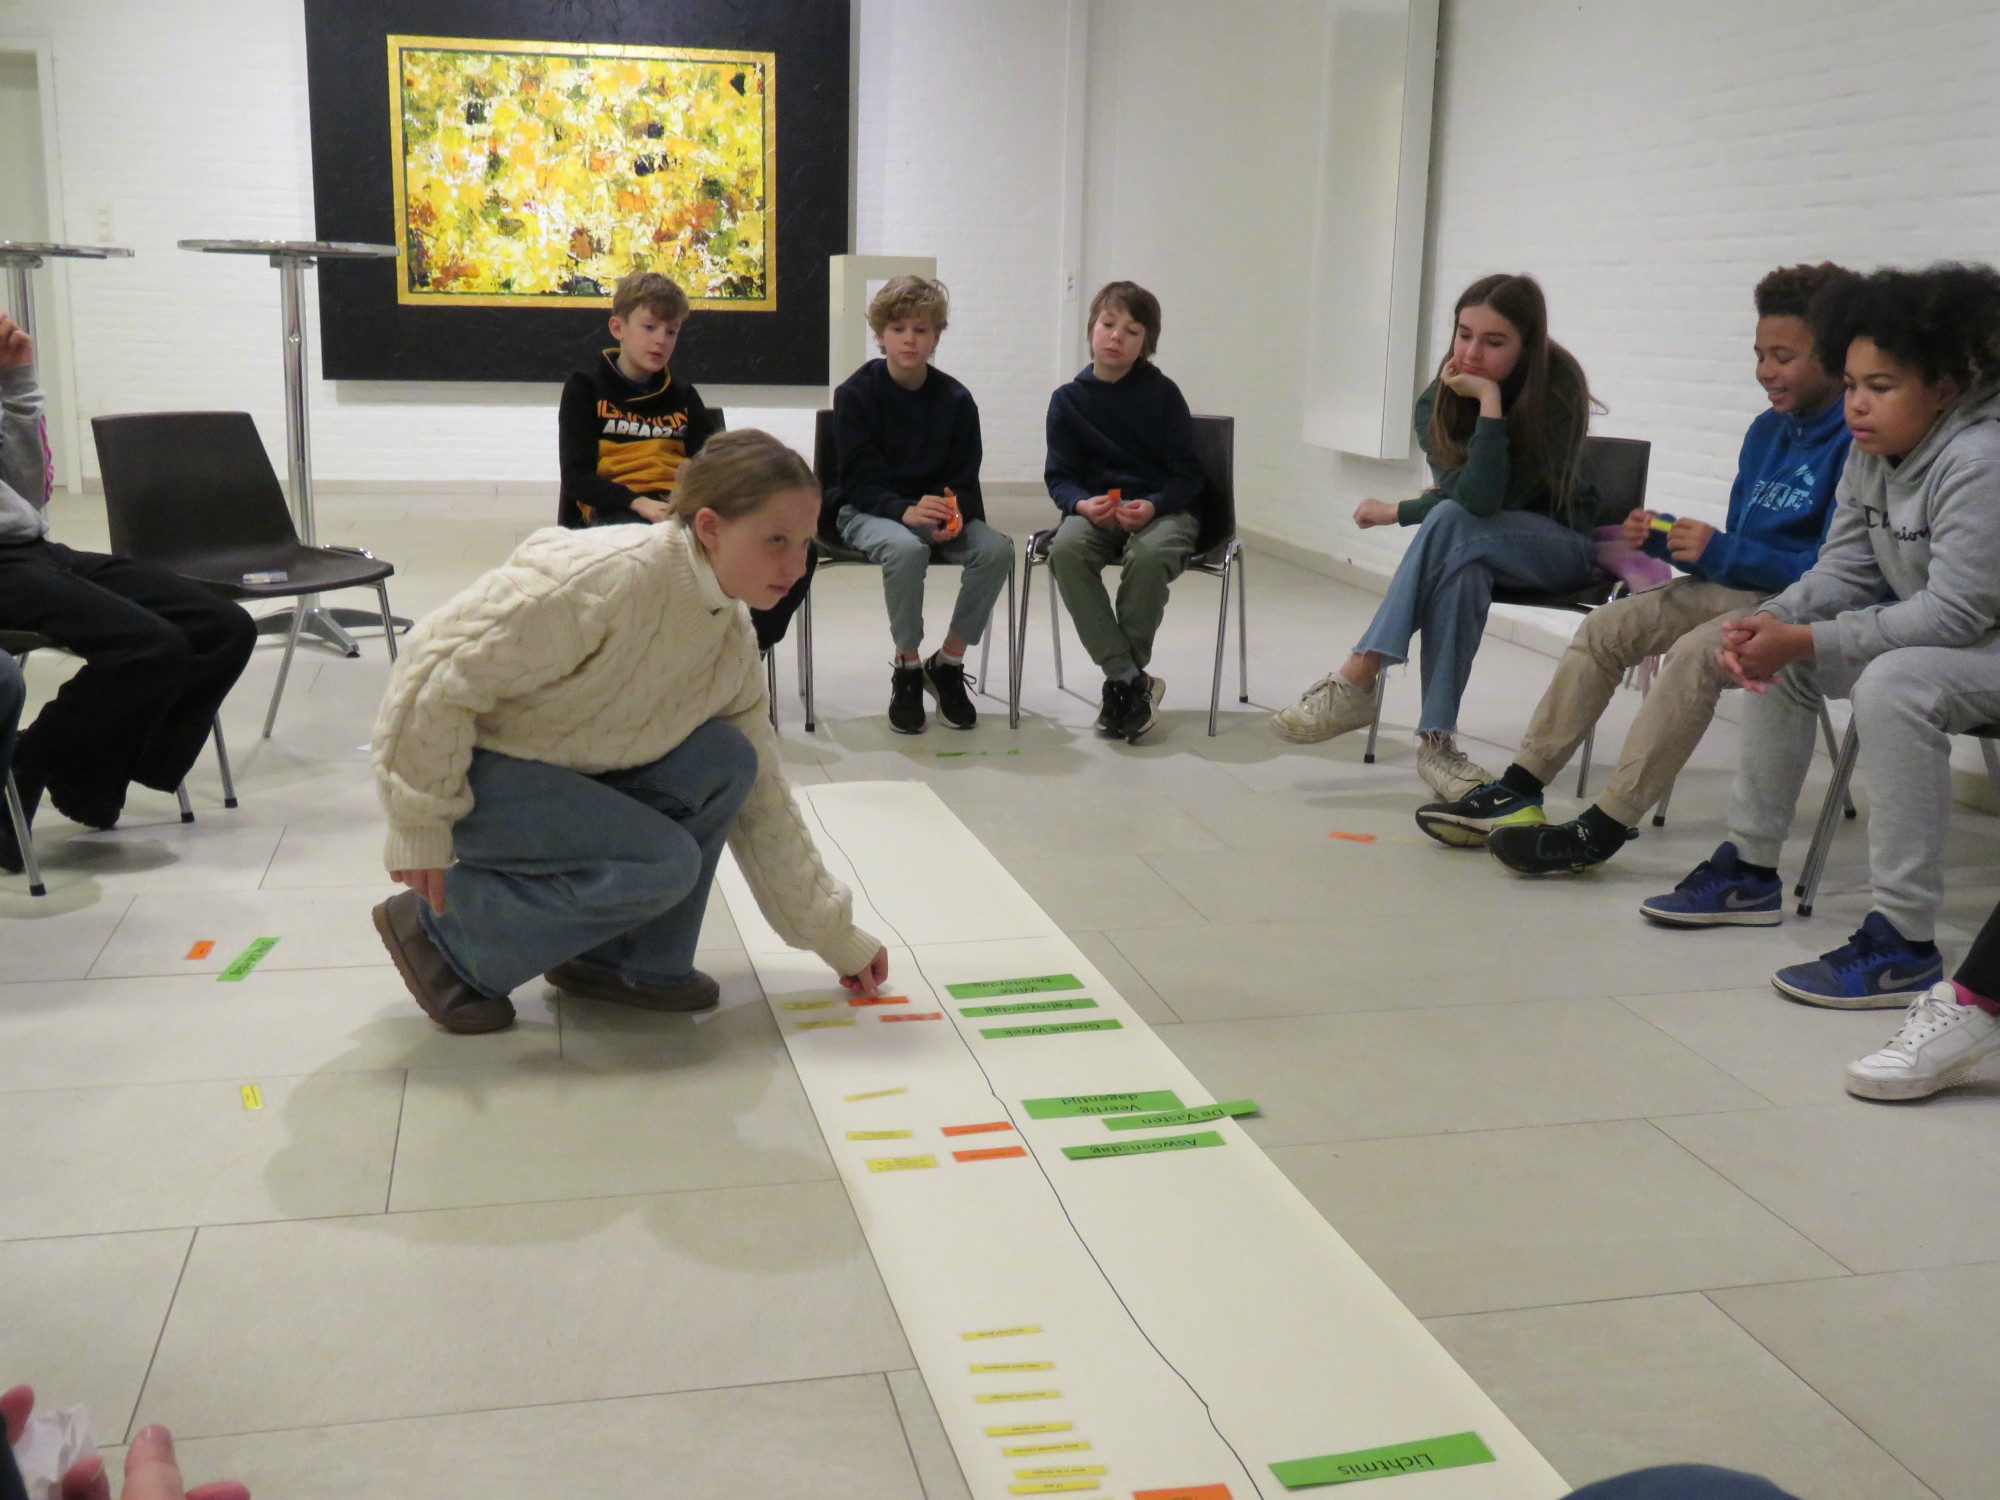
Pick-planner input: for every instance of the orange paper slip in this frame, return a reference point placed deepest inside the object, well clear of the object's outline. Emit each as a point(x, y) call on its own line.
point(922, 1015)
point(201, 949)
point(1193, 1492)
point(977, 1129)
point(879, 1000)
point(991, 1153)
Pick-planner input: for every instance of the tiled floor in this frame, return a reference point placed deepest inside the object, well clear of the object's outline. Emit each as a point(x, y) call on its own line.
point(606, 1252)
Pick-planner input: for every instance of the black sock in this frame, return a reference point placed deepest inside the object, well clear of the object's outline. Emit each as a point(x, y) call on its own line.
point(1601, 831)
point(1924, 949)
point(1762, 872)
point(1520, 782)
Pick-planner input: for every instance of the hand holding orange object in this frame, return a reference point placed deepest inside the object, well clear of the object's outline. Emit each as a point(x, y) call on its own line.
point(956, 524)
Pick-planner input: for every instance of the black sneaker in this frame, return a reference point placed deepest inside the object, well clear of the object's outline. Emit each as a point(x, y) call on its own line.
point(906, 699)
point(1144, 697)
point(1481, 812)
point(1112, 707)
point(1550, 848)
point(947, 680)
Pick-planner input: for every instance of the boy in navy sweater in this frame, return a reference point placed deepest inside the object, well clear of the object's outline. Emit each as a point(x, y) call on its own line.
point(1123, 472)
point(907, 437)
point(1790, 462)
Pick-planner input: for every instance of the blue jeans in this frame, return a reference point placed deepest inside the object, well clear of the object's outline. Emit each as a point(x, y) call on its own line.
point(615, 869)
point(1682, 1482)
point(985, 557)
point(1444, 586)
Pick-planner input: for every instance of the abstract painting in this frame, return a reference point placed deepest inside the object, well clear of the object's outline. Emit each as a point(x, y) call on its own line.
point(540, 172)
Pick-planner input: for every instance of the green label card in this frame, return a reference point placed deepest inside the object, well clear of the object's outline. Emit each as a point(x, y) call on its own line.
point(1200, 1114)
point(986, 989)
point(1453, 1452)
point(241, 965)
point(1051, 1028)
point(1064, 1106)
point(1023, 1007)
point(1144, 1148)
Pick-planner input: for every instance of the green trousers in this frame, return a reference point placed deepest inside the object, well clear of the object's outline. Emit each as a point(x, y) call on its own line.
point(1149, 559)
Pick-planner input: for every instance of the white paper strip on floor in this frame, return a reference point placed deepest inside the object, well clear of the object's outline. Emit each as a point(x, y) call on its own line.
point(1185, 1319)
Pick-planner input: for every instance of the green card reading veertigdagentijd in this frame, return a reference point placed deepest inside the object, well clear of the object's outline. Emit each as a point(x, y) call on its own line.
point(986, 989)
point(1149, 1147)
point(1199, 1114)
point(1028, 1007)
point(1452, 1452)
point(1051, 1028)
point(241, 965)
point(1064, 1106)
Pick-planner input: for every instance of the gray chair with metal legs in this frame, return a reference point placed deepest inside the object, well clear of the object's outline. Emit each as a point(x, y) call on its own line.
point(1218, 553)
point(194, 493)
point(832, 552)
point(1837, 796)
point(18, 644)
point(1616, 469)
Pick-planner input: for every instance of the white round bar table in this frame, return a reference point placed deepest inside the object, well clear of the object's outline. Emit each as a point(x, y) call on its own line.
point(291, 257)
point(20, 257)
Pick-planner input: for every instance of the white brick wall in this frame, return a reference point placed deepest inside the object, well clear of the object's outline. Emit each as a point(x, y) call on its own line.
point(187, 119)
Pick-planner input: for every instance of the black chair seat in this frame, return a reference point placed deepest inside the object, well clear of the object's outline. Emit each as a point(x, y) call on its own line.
point(838, 551)
point(306, 569)
point(1593, 596)
point(21, 642)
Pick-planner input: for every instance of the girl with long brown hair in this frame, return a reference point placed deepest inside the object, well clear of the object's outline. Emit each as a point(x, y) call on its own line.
point(1502, 426)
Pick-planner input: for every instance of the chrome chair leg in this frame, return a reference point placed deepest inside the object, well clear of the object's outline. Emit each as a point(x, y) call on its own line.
point(1055, 628)
point(1660, 812)
point(187, 807)
point(1375, 724)
point(1829, 820)
point(1833, 753)
point(1583, 771)
point(24, 836)
point(1221, 647)
point(771, 684)
point(285, 668)
point(388, 619)
point(806, 662)
point(1020, 633)
point(1242, 625)
point(222, 764)
point(1013, 655)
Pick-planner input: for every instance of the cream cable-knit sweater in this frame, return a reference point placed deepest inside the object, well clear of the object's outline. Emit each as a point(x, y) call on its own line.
point(598, 650)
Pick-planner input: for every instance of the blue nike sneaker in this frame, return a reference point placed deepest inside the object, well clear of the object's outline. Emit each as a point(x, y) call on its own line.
point(1718, 892)
point(1877, 969)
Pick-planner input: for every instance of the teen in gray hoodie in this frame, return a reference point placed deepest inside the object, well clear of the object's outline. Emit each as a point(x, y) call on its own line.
point(1898, 616)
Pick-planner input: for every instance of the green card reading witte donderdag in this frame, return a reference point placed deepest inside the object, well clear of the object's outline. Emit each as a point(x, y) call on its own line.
point(1151, 1147)
point(1201, 1114)
point(1027, 1007)
point(241, 965)
point(1452, 1452)
point(1063, 1106)
point(986, 989)
point(1051, 1028)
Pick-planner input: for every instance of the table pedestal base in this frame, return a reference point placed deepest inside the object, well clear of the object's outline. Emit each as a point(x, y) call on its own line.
point(324, 625)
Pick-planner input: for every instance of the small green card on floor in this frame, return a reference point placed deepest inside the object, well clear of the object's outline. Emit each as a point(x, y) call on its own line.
point(1151, 1146)
point(1025, 1007)
point(986, 989)
point(240, 966)
point(1066, 1106)
point(1051, 1028)
point(1452, 1452)
point(1200, 1114)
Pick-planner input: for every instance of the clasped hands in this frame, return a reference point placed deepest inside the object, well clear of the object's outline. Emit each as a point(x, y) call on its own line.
point(1755, 650)
point(1110, 510)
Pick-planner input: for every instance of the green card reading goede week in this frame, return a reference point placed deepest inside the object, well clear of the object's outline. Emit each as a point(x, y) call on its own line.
point(986, 989)
point(1064, 1106)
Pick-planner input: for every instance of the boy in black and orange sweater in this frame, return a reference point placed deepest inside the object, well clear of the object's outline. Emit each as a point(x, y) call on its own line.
point(627, 425)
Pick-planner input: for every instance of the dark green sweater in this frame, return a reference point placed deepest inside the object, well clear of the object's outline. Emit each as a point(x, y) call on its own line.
point(1487, 483)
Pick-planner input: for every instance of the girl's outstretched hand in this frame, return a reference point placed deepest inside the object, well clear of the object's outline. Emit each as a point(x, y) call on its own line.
point(870, 979)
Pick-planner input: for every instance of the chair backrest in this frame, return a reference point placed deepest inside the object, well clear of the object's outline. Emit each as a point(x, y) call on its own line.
point(181, 486)
point(1215, 447)
point(1616, 470)
point(826, 469)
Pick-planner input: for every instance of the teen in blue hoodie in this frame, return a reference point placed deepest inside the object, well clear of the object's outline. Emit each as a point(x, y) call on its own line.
point(1791, 460)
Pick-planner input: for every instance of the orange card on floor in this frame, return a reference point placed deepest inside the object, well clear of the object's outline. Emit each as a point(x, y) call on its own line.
point(1194, 1492)
point(1352, 838)
point(977, 1129)
point(991, 1153)
point(201, 949)
point(879, 1000)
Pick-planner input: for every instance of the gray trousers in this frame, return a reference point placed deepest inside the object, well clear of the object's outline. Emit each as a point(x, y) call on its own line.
point(983, 555)
point(1907, 704)
point(1149, 560)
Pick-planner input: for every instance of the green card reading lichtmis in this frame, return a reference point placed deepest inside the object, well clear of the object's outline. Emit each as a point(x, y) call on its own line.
point(1065, 1106)
point(1453, 1452)
point(241, 965)
point(986, 989)
point(1149, 1147)
point(1200, 1114)
point(1051, 1028)
point(1025, 1007)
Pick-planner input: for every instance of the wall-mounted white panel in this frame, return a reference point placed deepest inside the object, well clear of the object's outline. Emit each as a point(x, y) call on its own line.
point(1367, 259)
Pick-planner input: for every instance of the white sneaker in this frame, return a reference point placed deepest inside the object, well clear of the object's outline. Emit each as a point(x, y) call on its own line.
point(1331, 706)
point(1941, 1043)
point(1446, 770)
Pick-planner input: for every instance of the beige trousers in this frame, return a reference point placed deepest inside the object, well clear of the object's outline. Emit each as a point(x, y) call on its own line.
point(1680, 622)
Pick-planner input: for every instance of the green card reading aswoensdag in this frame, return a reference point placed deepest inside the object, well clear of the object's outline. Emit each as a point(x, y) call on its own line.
point(1064, 1106)
point(986, 989)
point(1050, 1028)
point(1151, 1146)
point(1450, 1452)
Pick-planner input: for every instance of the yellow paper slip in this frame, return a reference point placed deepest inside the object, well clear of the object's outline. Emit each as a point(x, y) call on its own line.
point(872, 1093)
point(1024, 1364)
point(1052, 1486)
point(1001, 1333)
point(1073, 1471)
point(253, 1097)
point(1019, 1396)
point(806, 1005)
point(1029, 1429)
point(878, 1135)
point(900, 1163)
point(822, 1025)
point(1029, 1450)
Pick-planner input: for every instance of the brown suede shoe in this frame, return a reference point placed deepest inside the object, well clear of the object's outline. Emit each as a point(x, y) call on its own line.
point(446, 999)
point(696, 992)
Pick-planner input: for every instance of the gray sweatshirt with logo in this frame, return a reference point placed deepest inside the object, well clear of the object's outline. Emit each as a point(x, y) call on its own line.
point(1912, 553)
point(24, 486)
